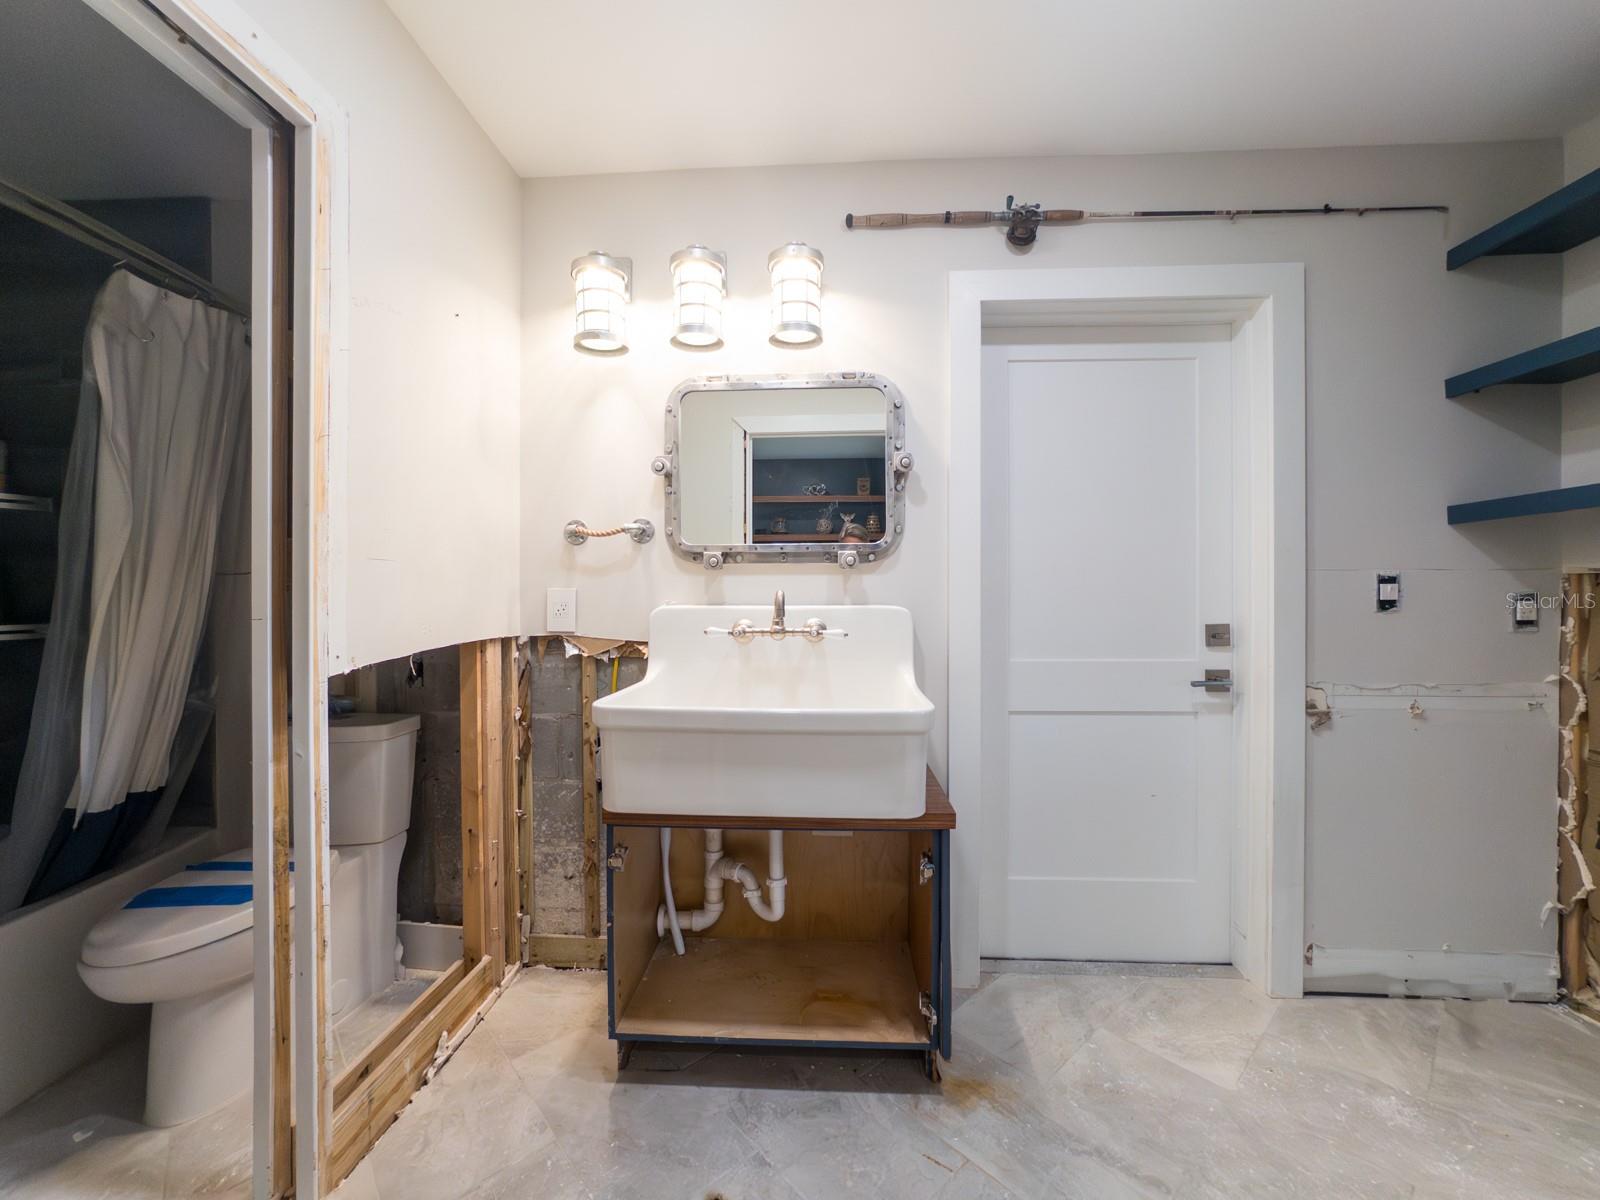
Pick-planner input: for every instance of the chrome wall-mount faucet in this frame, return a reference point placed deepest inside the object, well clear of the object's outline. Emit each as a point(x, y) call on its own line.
point(745, 630)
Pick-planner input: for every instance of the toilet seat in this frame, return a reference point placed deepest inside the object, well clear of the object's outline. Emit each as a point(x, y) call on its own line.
point(205, 903)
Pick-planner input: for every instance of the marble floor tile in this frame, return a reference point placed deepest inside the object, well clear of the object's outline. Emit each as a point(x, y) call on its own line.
point(211, 1156)
point(1391, 1043)
point(473, 1120)
point(971, 1183)
point(839, 1144)
point(1208, 1026)
point(1100, 1085)
point(1037, 1022)
point(359, 1185)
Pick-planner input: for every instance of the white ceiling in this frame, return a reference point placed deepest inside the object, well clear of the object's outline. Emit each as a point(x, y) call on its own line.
point(639, 85)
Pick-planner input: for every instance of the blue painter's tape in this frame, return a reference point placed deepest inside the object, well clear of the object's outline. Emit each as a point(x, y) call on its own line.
point(232, 864)
point(204, 895)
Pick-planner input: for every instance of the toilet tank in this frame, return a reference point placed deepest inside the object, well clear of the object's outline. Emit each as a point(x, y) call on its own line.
point(371, 757)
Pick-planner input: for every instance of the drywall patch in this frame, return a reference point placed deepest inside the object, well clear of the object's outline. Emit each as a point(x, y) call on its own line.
point(1435, 973)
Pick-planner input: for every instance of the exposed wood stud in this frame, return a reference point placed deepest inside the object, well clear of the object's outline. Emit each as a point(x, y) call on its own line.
point(591, 802)
point(1574, 957)
point(566, 950)
point(472, 900)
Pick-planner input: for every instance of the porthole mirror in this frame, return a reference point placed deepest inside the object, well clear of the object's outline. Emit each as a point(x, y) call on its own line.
point(785, 468)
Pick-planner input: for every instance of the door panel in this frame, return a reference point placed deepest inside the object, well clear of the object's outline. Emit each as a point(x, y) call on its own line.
point(1114, 841)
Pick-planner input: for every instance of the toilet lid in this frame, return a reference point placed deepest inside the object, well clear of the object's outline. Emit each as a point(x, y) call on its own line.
point(203, 903)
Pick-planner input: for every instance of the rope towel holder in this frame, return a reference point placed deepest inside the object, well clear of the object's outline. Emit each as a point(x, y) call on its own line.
point(639, 529)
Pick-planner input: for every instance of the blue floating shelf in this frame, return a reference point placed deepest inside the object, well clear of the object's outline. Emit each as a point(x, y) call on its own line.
point(1559, 222)
point(1529, 504)
point(1558, 362)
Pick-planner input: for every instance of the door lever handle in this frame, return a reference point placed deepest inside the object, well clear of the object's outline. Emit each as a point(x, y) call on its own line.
point(1216, 680)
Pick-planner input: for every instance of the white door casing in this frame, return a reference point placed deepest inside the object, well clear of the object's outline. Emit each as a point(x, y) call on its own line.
point(1110, 836)
point(1264, 306)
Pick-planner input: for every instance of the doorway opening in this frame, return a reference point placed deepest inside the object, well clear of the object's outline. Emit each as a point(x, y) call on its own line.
point(1082, 586)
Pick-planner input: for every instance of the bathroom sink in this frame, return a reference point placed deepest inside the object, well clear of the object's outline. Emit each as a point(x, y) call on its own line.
point(829, 726)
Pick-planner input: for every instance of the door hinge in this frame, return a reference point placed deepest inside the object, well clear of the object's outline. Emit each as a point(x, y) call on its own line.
point(925, 1007)
point(925, 867)
point(617, 858)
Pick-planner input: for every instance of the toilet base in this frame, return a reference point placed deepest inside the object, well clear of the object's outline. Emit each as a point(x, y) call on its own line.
point(200, 1053)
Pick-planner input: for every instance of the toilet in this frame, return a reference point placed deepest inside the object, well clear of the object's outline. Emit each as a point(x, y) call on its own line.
point(184, 946)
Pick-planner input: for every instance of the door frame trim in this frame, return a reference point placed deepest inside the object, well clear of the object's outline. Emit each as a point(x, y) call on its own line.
point(1265, 304)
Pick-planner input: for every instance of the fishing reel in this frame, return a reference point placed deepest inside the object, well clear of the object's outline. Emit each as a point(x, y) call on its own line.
point(1025, 220)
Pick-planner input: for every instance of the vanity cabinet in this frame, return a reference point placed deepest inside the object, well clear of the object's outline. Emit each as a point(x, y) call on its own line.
point(859, 960)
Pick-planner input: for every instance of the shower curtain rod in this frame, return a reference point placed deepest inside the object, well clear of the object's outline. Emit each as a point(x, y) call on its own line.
point(81, 227)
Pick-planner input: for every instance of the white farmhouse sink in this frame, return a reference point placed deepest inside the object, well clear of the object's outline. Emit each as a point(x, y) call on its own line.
point(769, 727)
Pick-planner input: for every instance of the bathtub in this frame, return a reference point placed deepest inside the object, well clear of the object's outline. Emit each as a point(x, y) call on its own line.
point(50, 1023)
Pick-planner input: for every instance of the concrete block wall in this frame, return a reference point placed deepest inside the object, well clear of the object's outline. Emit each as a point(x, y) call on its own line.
point(430, 870)
point(557, 729)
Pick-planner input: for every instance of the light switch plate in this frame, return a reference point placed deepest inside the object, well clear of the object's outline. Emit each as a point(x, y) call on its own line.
point(1525, 612)
point(561, 610)
point(1388, 592)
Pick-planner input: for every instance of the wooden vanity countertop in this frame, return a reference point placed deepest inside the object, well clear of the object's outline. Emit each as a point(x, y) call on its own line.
point(937, 815)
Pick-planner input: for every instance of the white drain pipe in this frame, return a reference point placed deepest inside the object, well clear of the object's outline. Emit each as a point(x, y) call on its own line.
point(720, 868)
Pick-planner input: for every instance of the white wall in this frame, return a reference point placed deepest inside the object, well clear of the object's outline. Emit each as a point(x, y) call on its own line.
point(1580, 400)
point(426, 470)
point(1386, 325)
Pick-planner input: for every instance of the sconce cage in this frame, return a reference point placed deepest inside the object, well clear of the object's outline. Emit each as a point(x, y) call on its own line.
point(796, 271)
point(603, 284)
point(699, 284)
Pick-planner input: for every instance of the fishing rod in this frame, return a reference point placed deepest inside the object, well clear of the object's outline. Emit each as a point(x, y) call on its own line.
point(1022, 221)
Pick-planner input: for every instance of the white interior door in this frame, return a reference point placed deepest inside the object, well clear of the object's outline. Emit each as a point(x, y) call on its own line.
point(1114, 831)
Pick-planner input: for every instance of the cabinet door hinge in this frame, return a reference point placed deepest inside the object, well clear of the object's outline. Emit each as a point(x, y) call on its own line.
point(925, 867)
point(617, 858)
point(925, 1007)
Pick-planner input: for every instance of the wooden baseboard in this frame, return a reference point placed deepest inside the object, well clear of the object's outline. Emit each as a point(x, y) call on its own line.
point(566, 950)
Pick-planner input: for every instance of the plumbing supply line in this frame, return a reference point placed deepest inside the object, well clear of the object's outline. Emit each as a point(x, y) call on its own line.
point(666, 884)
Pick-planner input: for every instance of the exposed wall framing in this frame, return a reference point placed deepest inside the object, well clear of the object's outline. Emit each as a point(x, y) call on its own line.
point(1578, 845)
point(562, 837)
point(367, 1096)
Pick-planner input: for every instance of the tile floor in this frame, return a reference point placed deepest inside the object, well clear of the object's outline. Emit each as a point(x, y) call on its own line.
point(81, 1139)
point(1085, 1084)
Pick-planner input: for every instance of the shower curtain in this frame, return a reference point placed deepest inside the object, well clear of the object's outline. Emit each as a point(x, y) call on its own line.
point(124, 700)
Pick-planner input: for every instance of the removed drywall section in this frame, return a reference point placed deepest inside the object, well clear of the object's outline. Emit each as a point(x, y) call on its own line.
point(561, 855)
point(428, 684)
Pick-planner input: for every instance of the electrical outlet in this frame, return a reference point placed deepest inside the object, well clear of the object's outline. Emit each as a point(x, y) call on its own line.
point(561, 610)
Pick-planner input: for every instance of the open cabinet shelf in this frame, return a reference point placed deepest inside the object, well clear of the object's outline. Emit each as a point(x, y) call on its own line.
point(762, 989)
point(843, 499)
point(1527, 504)
point(1560, 361)
point(860, 958)
point(1560, 221)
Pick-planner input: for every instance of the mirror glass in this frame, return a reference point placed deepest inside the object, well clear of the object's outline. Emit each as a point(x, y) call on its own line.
point(803, 467)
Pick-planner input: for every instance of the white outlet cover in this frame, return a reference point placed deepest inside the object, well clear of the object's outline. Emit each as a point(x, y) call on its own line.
point(561, 610)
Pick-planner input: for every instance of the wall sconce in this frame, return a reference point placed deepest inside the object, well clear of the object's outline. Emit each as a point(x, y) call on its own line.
point(699, 282)
point(603, 291)
point(796, 271)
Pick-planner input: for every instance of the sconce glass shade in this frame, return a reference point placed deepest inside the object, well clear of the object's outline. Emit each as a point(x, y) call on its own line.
point(796, 271)
point(699, 282)
point(603, 290)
